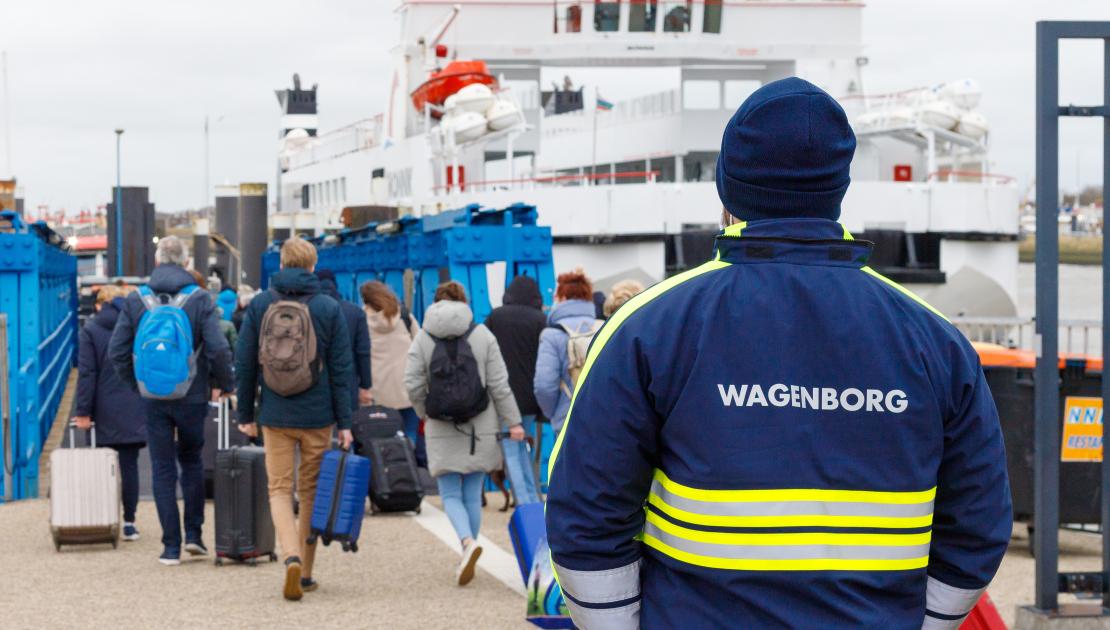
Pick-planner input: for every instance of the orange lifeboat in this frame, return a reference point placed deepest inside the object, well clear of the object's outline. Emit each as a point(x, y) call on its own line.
point(455, 76)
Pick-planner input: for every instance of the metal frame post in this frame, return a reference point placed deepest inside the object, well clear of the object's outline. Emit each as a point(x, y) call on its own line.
point(119, 210)
point(1046, 463)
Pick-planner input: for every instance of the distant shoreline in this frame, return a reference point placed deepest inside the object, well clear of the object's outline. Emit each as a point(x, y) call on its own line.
point(1074, 250)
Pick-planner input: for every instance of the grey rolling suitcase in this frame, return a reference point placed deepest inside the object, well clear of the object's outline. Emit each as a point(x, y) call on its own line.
point(84, 495)
point(244, 530)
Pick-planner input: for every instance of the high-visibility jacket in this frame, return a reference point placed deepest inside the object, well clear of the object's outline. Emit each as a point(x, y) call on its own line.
point(779, 438)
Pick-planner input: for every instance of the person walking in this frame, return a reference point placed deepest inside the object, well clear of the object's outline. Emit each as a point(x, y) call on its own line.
point(297, 408)
point(573, 316)
point(517, 324)
point(781, 437)
point(463, 448)
point(226, 300)
point(358, 336)
point(175, 419)
point(392, 330)
point(106, 401)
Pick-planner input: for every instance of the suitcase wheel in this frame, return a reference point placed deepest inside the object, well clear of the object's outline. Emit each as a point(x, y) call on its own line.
point(353, 547)
point(115, 543)
point(219, 562)
point(57, 543)
point(417, 510)
point(273, 557)
point(346, 546)
point(374, 508)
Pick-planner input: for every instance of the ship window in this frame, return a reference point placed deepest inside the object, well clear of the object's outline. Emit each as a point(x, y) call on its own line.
point(630, 172)
point(737, 91)
point(607, 15)
point(701, 94)
point(664, 168)
point(641, 16)
point(304, 197)
point(699, 166)
point(677, 17)
point(711, 20)
point(572, 19)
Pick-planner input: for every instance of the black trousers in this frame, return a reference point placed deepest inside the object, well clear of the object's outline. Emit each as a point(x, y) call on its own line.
point(129, 477)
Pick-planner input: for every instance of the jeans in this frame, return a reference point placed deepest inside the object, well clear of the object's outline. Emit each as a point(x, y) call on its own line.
point(166, 453)
point(518, 465)
point(462, 500)
point(281, 445)
point(412, 430)
point(129, 477)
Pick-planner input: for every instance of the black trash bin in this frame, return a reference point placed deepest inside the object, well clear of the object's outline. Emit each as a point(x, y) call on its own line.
point(1010, 377)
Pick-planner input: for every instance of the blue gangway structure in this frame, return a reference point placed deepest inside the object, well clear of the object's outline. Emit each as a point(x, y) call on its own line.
point(454, 244)
point(38, 330)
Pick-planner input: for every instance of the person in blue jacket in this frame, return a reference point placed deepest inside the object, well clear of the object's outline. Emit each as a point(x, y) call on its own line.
point(573, 312)
point(227, 300)
point(780, 437)
point(109, 403)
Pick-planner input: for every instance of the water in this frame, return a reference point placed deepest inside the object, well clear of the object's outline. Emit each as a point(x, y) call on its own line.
point(1080, 291)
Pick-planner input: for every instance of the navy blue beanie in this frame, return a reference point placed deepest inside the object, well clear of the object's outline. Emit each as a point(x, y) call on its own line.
point(785, 153)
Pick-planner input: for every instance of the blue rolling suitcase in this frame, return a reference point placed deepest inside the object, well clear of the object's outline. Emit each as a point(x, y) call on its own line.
point(340, 499)
point(527, 529)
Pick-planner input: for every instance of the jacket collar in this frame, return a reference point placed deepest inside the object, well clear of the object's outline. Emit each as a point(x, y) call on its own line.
point(800, 241)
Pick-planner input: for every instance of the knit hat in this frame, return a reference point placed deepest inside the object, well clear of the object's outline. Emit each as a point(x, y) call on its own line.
point(785, 153)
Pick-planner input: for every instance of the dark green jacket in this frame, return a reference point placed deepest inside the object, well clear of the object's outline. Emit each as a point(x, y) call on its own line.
point(328, 401)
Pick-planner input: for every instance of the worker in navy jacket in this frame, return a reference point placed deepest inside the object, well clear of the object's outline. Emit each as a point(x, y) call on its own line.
point(814, 447)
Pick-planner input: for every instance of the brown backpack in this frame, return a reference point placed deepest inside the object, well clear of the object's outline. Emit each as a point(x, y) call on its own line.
point(287, 345)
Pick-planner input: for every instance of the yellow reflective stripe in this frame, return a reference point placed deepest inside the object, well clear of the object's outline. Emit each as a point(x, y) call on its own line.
point(792, 520)
point(795, 494)
point(847, 235)
point(814, 564)
point(611, 327)
point(910, 294)
point(732, 230)
point(779, 539)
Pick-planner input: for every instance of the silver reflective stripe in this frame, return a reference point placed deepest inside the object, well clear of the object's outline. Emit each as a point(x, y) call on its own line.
point(789, 552)
point(623, 618)
point(790, 508)
point(600, 587)
point(950, 600)
point(932, 623)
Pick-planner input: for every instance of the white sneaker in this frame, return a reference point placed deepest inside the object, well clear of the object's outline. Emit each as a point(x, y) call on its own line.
point(465, 572)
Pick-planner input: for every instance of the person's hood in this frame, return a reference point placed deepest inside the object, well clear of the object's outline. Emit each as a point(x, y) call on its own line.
point(378, 322)
point(108, 314)
point(327, 287)
point(571, 309)
point(296, 281)
point(448, 319)
point(524, 291)
point(169, 278)
point(228, 296)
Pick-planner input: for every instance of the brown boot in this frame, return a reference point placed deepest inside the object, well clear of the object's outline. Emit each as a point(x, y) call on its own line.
point(293, 590)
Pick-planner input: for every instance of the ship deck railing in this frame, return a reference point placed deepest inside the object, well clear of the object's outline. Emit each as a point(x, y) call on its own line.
point(1077, 336)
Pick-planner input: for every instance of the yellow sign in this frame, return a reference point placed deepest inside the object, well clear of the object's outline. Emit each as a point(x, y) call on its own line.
point(1082, 430)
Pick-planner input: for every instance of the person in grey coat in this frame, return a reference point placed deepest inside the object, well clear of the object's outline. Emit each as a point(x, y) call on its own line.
point(460, 455)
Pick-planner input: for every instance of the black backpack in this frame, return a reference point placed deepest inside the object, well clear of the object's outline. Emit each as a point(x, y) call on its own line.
point(455, 390)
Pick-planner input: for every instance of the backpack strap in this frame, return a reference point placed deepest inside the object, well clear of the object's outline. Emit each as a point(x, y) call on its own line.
point(152, 300)
point(303, 298)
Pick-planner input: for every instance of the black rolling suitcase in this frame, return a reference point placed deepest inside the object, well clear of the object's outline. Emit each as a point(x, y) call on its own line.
point(395, 484)
point(244, 530)
point(212, 439)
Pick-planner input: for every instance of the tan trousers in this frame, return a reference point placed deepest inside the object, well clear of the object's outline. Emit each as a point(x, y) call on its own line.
point(281, 445)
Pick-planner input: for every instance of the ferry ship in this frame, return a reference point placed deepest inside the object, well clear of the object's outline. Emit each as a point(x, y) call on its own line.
point(627, 187)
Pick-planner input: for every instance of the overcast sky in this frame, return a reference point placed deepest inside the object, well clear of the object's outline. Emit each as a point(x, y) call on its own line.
point(78, 69)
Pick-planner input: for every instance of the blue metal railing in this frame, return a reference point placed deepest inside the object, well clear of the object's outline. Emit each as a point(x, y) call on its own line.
point(38, 296)
point(459, 242)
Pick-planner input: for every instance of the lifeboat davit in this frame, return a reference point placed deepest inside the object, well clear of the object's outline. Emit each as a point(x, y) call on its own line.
point(455, 76)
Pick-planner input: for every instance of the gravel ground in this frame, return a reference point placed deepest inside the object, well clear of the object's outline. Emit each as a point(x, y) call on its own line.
point(402, 577)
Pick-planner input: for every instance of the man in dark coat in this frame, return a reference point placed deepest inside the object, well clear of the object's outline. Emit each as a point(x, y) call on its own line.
point(175, 428)
point(517, 325)
point(300, 423)
point(104, 399)
point(359, 333)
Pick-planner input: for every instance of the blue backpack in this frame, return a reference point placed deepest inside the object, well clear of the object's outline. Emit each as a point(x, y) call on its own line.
point(165, 361)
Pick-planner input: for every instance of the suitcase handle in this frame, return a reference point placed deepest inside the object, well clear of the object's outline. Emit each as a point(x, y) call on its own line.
point(223, 422)
point(72, 435)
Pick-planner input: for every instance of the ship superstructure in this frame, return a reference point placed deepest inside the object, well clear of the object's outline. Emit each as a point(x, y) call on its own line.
point(627, 187)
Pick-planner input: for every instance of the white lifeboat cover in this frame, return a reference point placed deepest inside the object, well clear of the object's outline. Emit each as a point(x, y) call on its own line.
point(973, 125)
point(466, 125)
point(475, 97)
point(963, 93)
point(502, 115)
point(939, 113)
